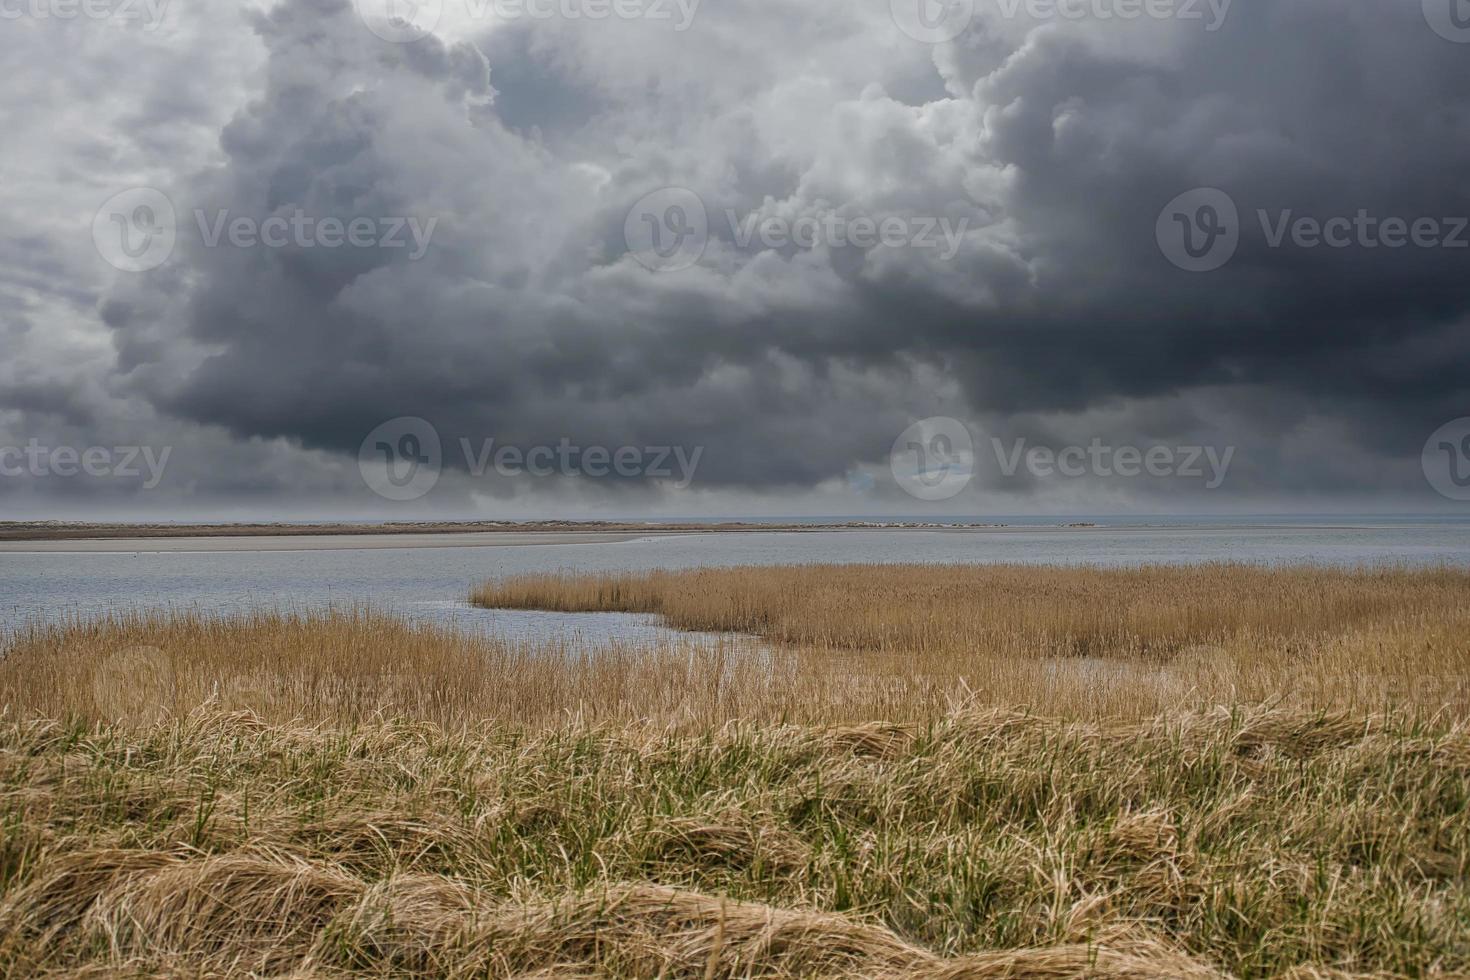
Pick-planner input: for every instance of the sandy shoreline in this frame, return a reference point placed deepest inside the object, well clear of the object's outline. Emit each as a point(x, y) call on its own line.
point(17, 531)
point(225, 544)
point(319, 542)
point(18, 537)
point(378, 538)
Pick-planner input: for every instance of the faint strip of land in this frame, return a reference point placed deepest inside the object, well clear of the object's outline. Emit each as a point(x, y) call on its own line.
point(223, 543)
point(67, 531)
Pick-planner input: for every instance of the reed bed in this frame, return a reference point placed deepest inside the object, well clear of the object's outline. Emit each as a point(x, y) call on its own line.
point(347, 666)
point(1073, 642)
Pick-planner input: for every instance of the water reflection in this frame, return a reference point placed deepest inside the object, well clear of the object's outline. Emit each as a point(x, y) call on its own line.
point(582, 631)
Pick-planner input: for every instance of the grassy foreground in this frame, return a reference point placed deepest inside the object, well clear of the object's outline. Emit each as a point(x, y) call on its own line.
point(986, 845)
point(987, 773)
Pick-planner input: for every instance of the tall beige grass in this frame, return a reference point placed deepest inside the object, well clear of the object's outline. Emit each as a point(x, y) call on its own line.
point(1080, 642)
point(352, 666)
point(834, 644)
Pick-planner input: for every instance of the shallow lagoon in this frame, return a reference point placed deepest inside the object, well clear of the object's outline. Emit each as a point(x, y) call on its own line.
point(430, 583)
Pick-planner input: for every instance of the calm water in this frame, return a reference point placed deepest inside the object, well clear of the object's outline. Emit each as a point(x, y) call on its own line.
point(431, 583)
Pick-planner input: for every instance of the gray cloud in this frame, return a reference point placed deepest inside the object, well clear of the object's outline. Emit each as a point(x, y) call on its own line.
point(1058, 320)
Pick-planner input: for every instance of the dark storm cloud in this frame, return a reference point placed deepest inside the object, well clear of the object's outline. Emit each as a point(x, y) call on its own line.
point(1059, 317)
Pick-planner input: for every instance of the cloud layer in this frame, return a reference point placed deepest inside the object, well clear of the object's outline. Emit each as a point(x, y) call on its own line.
point(1047, 142)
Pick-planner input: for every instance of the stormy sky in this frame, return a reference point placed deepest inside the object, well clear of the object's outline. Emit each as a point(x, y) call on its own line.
point(845, 257)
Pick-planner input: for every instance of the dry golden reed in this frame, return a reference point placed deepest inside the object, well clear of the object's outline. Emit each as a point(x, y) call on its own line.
point(901, 641)
point(348, 666)
point(844, 644)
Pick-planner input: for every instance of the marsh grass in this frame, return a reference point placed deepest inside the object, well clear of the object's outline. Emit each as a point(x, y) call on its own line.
point(346, 666)
point(1203, 773)
point(984, 844)
point(1076, 642)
